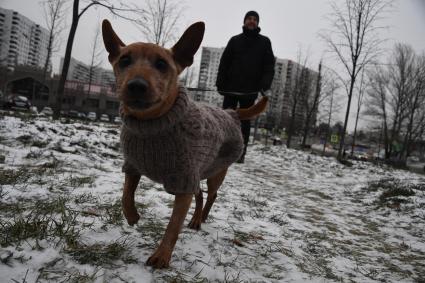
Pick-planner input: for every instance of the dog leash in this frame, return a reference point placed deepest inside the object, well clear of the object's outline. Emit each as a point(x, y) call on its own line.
point(228, 92)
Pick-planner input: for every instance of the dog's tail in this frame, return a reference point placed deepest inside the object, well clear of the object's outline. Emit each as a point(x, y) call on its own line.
point(253, 111)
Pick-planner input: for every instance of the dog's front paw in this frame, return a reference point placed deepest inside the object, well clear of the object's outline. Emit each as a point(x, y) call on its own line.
point(195, 223)
point(132, 218)
point(160, 258)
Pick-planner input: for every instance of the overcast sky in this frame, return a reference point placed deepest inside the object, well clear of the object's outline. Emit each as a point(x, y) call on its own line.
point(290, 24)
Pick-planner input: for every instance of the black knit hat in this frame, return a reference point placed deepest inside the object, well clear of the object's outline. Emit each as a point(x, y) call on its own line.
point(252, 13)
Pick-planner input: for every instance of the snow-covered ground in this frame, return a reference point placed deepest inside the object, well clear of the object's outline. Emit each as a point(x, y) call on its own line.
point(283, 216)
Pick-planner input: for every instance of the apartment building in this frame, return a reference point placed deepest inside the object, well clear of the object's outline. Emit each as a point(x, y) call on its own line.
point(22, 41)
point(210, 60)
point(79, 71)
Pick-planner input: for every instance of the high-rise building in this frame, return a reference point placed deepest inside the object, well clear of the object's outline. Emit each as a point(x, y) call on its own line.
point(78, 71)
point(22, 41)
point(210, 60)
point(299, 89)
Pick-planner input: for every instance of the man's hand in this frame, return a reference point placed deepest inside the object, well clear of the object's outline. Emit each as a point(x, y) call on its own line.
point(267, 93)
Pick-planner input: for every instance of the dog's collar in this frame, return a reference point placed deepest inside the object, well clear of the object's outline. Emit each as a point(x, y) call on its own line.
point(162, 124)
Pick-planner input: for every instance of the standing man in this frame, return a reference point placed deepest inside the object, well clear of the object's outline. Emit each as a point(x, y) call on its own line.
point(246, 68)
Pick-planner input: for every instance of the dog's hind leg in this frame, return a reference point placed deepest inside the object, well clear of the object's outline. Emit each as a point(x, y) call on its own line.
point(128, 207)
point(213, 184)
point(195, 223)
point(162, 255)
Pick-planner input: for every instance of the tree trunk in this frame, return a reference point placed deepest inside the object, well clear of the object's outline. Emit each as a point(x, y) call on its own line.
point(355, 132)
point(66, 61)
point(329, 123)
point(347, 114)
point(291, 125)
point(49, 54)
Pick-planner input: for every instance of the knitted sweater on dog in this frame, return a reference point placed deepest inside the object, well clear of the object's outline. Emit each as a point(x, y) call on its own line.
point(189, 143)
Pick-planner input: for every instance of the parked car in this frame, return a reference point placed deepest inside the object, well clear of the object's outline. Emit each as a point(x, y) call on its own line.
point(18, 102)
point(360, 155)
point(81, 115)
point(104, 118)
point(413, 159)
point(72, 114)
point(117, 120)
point(91, 116)
point(47, 111)
point(33, 110)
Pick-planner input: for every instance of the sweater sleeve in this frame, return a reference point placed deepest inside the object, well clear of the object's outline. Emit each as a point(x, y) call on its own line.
point(268, 68)
point(223, 67)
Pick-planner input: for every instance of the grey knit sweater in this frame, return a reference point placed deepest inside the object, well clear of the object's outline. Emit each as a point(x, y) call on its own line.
point(189, 143)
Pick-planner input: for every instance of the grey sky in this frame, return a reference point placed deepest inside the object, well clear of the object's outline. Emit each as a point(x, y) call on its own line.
point(290, 24)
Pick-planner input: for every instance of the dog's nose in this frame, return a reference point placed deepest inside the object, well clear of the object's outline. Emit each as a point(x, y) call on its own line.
point(137, 86)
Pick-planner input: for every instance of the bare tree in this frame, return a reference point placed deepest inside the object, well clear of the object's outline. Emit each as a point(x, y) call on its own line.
point(311, 105)
point(125, 11)
point(161, 21)
point(394, 96)
point(354, 39)
point(378, 105)
point(415, 106)
point(54, 13)
point(95, 60)
point(400, 72)
point(330, 103)
point(360, 95)
point(297, 90)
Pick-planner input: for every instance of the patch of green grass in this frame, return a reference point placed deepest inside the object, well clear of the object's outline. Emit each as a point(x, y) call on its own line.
point(54, 164)
point(12, 177)
point(25, 139)
point(102, 254)
point(34, 154)
point(396, 192)
point(40, 143)
point(255, 202)
point(80, 181)
point(152, 228)
point(42, 220)
point(69, 276)
point(85, 198)
point(183, 278)
point(114, 213)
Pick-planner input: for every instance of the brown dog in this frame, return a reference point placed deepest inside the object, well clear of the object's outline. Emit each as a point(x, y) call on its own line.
point(147, 81)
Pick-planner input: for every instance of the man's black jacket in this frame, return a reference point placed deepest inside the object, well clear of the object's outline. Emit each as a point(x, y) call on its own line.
point(247, 63)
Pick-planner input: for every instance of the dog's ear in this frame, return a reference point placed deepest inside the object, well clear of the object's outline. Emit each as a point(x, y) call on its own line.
point(188, 44)
point(111, 40)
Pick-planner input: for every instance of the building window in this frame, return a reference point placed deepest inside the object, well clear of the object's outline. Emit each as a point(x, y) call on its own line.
point(112, 105)
point(69, 100)
point(93, 103)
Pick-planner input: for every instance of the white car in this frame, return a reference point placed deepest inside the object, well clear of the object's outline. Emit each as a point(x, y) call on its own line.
point(104, 118)
point(33, 110)
point(91, 116)
point(47, 111)
point(117, 120)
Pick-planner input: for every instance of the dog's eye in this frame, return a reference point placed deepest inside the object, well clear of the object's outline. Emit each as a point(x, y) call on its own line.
point(161, 65)
point(124, 61)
